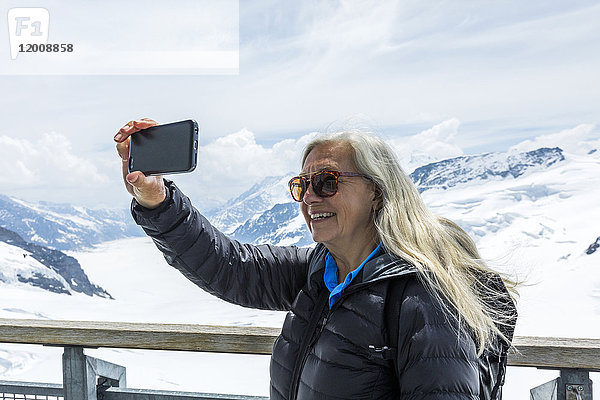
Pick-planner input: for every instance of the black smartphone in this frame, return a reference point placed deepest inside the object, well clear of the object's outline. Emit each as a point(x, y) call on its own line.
point(165, 149)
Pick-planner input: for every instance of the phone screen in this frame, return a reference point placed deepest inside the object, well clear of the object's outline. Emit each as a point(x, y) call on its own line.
point(165, 149)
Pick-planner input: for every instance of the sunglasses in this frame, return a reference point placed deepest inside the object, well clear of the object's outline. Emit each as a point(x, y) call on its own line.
point(324, 183)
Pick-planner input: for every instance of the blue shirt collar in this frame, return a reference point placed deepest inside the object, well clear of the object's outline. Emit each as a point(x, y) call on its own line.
point(331, 275)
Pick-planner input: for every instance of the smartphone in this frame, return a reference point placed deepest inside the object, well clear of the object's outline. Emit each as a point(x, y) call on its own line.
point(165, 149)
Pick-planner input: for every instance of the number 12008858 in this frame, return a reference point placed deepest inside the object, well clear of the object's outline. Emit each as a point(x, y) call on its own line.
point(46, 48)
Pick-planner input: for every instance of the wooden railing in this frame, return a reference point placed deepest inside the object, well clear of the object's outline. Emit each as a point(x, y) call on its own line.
point(125, 335)
point(564, 354)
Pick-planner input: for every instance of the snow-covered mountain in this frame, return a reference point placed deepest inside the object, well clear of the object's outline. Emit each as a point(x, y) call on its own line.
point(33, 236)
point(451, 172)
point(264, 214)
point(260, 198)
point(42, 267)
point(282, 224)
point(63, 226)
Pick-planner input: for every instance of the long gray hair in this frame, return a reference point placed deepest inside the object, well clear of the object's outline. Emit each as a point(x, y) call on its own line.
point(446, 257)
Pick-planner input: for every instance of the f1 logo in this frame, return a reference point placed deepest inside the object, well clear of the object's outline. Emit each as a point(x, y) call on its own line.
point(27, 26)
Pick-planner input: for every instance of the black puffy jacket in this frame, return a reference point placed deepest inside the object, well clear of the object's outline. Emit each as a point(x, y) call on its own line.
point(345, 352)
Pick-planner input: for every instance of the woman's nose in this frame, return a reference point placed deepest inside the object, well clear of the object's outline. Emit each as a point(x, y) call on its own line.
point(309, 196)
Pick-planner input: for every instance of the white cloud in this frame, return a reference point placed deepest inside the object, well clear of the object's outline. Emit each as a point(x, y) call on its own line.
point(578, 140)
point(47, 163)
point(235, 162)
point(433, 144)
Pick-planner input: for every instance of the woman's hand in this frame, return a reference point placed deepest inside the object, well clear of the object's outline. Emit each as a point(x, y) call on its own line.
point(149, 191)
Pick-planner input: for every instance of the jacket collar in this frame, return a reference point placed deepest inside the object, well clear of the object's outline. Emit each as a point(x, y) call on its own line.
point(384, 266)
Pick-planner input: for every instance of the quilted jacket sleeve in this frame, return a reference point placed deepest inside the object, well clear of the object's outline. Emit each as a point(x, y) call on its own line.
point(434, 361)
point(265, 277)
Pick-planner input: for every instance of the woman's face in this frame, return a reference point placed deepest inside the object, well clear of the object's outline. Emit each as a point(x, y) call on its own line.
point(344, 220)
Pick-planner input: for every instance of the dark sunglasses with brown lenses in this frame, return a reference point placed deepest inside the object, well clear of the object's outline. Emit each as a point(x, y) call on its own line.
point(324, 183)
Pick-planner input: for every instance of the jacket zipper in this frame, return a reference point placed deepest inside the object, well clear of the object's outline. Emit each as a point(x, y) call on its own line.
point(314, 336)
point(307, 344)
point(308, 340)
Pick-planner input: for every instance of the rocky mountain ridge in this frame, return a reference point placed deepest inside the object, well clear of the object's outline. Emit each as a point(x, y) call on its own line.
point(64, 274)
point(451, 172)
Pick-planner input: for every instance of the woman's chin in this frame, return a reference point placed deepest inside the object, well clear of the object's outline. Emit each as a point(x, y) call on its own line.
point(318, 238)
point(321, 237)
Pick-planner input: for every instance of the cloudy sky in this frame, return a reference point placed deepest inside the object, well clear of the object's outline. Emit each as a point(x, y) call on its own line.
point(435, 78)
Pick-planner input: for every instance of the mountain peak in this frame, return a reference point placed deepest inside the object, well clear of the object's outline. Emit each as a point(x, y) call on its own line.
point(451, 172)
point(259, 198)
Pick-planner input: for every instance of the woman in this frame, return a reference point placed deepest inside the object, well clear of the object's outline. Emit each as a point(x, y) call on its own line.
point(392, 303)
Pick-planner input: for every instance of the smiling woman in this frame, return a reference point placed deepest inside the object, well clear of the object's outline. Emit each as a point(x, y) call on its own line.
point(392, 302)
point(339, 211)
